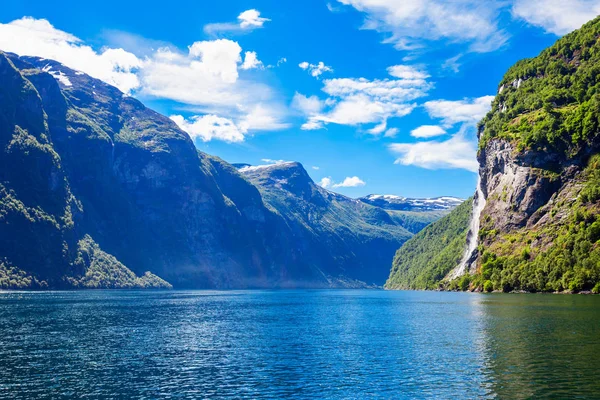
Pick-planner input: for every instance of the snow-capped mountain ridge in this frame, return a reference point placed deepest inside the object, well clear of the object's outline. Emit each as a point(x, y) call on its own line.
point(393, 202)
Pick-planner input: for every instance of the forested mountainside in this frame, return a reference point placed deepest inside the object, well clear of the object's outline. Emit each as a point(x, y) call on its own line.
point(424, 260)
point(98, 191)
point(540, 173)
point(338, 230)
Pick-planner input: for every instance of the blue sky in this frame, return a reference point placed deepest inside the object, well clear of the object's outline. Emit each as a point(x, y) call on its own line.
point(372, 96)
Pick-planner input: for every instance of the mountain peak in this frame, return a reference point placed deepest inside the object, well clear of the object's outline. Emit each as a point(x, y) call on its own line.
point(290, 176)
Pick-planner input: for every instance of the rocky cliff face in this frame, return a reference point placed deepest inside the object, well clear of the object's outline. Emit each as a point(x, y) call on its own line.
point(540, 176)
point(538, 169)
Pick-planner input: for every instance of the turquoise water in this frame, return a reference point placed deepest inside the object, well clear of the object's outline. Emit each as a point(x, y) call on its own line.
point(304, 344)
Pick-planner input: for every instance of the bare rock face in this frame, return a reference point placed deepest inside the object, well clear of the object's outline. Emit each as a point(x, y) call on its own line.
point(522, 188)
point(515, 184)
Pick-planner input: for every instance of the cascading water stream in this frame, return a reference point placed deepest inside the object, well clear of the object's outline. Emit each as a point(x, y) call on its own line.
point(472, 235)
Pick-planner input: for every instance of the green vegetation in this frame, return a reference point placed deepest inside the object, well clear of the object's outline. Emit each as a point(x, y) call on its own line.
point(557, 257)
point(102, 270)
point(424, 260)
point(551, 101)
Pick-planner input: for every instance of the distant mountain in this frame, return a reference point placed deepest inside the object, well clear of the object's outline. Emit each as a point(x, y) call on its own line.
point(346, 237)
point(391, 202)
point(98, 191)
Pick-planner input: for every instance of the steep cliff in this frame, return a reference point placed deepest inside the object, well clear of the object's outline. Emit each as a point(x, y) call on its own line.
point(540, 174)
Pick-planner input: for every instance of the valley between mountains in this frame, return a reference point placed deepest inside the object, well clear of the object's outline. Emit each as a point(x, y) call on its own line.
point(97, 191)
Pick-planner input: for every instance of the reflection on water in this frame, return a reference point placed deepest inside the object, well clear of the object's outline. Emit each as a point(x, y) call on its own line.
point(307, 344)
point(539, 346)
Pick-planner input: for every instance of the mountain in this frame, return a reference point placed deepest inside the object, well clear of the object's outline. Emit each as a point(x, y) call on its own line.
point(352, 238)
point(391, 202)
point(98, 191)
point(539, 173)
point(424, 260)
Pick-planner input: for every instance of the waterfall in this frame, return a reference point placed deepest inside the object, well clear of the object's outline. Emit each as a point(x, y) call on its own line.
point(472, 235)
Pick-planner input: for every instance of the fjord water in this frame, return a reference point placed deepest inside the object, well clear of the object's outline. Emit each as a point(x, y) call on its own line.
point(306, 344)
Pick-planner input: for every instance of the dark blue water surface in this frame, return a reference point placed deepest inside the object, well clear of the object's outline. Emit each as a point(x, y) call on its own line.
point(305, 344)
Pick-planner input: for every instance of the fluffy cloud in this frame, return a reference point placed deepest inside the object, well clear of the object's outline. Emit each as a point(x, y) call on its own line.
point(262, 117)
point(307, 105)
point(362, 109)
point(350, 181)
point(556, 16)
point(358, 101)
point(246, 21)
point(353, 181)
point(251, 61)
point(459, 111)
point(251, 19)
point(276, 162)
point(37, 37)
point(206, 78)
point(392, 132)
point(427, 131)
point(209, 127)
point(325, 182)
point(457, 152)
point(406, 72)
point(315, 70)
point(411, 24)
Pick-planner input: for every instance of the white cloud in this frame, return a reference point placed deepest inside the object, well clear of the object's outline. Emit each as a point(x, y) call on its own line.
point(377, 129)
point(407, 72)
point(37, 37)
point(325, 182)
point(411, 24)
point(312, 125)
point(251, 19)
point(205, 79)
point(262, 118)
point(251, 61)
point(218, 58)
point(556, 16)
point(452, 63)
point(246, 21)
point(427, 131)
point(466, 111)
point(350, 181)
point(392, 132)
point(357, 101)
point(209, 127)
point(307, 105)
point(389, 90)
point(362, 109)
point(315, 70)
point(275, 162)
point(315, 168)
point(454, 153)
point(353, 181)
